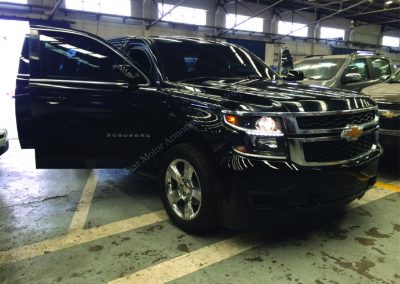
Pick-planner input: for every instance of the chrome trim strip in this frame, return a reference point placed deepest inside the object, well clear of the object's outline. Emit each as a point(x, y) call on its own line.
point(389, 132)
point(259, 156)
point(295, 114)
point(292, 127)
point(77, 82)
point(330, 138)
point(298, 156)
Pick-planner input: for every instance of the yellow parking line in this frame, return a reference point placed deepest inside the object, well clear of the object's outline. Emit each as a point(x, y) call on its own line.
point(387, 186)
point(80, 237)
point(191, 262)
point(199, 259)
point(79, 219)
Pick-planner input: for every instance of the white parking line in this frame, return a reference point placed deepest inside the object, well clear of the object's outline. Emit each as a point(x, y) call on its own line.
point(79, 219)
point(194, 261)
point(80, 237)
point(76, 238)
point(201, 258)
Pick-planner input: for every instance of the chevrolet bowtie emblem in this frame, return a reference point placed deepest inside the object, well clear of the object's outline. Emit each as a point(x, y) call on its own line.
point(352, 132)
point(389, 114)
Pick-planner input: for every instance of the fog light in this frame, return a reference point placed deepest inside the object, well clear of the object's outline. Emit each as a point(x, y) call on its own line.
point(269, 143)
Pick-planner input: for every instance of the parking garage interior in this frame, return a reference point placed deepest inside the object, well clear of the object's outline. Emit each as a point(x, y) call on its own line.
point(109, 225)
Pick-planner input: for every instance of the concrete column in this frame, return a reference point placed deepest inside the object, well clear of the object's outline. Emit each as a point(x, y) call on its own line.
point(149, 10)
point(269, 54)
point(351, 31)
point(273, 25)
point(220, 17)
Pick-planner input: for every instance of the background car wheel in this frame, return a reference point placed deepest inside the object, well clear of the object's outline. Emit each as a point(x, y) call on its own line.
point(188, 179)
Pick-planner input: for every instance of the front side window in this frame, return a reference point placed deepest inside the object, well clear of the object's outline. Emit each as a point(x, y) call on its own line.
point(141, 58)
point(319, 68)
point(358, 66)
point(74, 57)
point(381, 67)
point(184, 60)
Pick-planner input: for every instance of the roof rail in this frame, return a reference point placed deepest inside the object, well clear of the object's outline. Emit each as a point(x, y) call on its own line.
point(366, 52)
point(315, 55)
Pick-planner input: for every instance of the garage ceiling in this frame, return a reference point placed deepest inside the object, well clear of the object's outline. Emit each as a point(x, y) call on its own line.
point(368, 11)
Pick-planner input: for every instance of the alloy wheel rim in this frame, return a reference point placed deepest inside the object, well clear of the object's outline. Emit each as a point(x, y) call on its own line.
point(183, 189)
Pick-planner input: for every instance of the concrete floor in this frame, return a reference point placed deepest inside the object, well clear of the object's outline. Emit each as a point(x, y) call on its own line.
point(82, 226)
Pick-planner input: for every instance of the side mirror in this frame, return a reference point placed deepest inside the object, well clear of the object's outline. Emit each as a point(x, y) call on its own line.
point(384, 77)
point(351, 78)
point(294, 75)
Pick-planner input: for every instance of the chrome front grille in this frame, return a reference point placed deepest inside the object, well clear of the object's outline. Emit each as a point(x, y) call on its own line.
point(315, 138)
point(335, 121)
point(338, 150)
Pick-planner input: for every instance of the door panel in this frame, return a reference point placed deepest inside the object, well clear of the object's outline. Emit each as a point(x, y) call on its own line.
point(84, 103)
point(360, 66)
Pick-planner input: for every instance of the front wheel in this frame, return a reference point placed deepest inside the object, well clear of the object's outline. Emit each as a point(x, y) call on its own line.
point(188, 189)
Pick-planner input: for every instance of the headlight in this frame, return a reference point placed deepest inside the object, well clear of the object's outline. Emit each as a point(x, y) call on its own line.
point(255, 125)
point(266, 124)
point(258, 136)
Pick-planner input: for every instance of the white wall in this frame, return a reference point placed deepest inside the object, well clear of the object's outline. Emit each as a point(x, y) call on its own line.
point(109, 27)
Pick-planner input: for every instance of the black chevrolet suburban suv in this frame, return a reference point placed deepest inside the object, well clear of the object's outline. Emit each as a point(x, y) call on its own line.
point(231, 142)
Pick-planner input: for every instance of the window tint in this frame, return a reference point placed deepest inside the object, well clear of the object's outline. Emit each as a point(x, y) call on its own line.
point(358, 66)
point(188, 60)
point(68, 56)
point(381, 67)
point(141, 58)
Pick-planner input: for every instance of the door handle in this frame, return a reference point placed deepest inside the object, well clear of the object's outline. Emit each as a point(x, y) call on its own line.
point(55, 100)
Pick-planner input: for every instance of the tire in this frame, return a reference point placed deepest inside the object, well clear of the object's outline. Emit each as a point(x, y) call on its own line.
point(187, 183)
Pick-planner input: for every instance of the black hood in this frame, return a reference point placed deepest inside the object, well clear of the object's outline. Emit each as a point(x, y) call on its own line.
point(263, 95)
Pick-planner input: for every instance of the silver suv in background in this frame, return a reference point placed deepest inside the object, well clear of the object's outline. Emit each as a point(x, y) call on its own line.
point(3, 141)
point(387, 96)
point(352, 72)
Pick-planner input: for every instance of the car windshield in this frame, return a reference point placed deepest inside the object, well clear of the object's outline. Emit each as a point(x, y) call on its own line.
point(396, 77)
point(319, 68)
point(187, 60)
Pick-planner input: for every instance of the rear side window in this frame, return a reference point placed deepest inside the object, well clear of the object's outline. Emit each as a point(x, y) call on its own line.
point(359, 66)
point(381, 67)
point(69, 56)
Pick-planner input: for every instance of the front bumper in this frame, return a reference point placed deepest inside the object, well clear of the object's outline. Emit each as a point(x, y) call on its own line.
point(259, 192)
